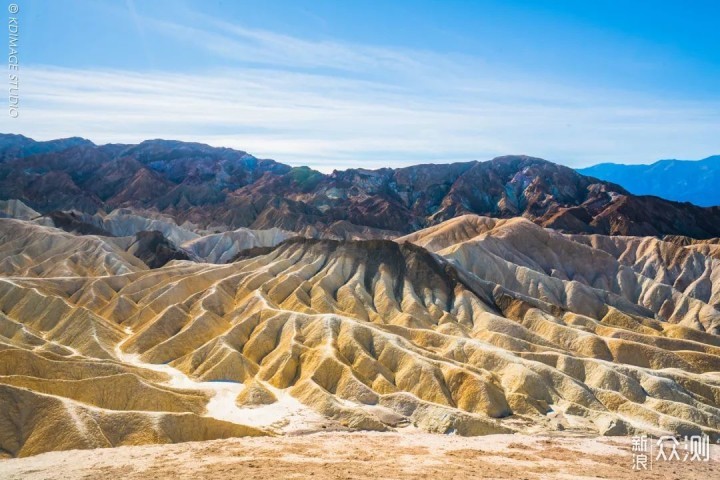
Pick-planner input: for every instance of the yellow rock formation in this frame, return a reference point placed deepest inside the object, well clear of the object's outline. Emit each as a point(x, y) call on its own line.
point(474, 326)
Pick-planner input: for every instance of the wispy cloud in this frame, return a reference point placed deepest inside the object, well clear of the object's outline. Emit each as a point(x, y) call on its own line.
point(334, 105)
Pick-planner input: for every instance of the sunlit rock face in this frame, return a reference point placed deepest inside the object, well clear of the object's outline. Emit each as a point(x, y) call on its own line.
point(473, 326)
point(182, 189)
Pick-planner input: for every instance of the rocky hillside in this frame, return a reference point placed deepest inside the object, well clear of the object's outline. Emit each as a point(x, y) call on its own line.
point(473, 326)
point(220, 189)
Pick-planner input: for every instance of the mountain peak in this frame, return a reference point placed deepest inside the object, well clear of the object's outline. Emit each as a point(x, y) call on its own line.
point(220, 186)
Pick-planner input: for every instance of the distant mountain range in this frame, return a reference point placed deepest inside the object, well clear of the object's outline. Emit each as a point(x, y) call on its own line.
point(221, 189)
point(694, 181)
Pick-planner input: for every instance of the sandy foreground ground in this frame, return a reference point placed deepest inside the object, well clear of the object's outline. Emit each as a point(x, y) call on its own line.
point(342, 455)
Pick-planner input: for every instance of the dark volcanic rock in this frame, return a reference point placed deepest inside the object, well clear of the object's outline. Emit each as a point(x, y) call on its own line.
point(155, 250)
point(170, 176)
point(73, 223)
point(225, 188)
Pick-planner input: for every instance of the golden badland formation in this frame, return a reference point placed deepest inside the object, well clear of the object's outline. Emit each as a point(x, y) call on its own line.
point(474, 326)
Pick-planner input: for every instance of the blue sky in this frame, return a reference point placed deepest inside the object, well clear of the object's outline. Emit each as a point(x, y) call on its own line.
point(333, 84)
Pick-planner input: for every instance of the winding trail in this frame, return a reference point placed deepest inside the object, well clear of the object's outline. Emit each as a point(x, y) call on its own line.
point(285, 415)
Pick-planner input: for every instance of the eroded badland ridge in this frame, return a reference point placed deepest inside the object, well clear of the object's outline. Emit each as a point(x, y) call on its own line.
point(168, 292)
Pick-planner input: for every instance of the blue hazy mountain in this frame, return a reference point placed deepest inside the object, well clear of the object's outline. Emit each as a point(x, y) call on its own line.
point(695, 181)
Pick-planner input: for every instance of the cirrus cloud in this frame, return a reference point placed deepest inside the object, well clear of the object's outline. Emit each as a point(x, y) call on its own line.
point(334, 105)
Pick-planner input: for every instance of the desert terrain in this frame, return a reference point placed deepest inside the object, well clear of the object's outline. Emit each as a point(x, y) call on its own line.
point(366, 323)
point(360, 455)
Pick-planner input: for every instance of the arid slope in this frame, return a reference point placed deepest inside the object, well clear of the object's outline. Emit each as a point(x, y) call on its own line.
point(474, 326)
